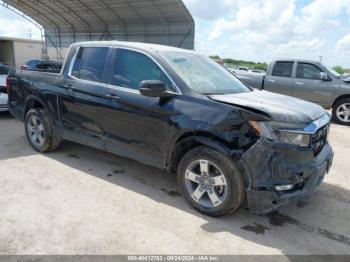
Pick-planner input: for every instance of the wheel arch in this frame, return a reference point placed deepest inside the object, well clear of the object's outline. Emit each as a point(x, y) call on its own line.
point(340, 98)
point(31, 103)
point(190, 140)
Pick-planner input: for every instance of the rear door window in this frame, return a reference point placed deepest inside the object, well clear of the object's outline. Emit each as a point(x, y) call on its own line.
point(90, 64)
point(283, 69)
point(308, 71)
point(131, 68)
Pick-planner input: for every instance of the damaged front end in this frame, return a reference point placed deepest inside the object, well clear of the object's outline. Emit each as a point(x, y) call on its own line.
point(286, 162)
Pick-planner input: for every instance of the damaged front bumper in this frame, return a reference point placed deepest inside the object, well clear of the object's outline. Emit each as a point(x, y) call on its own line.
point(268, 165)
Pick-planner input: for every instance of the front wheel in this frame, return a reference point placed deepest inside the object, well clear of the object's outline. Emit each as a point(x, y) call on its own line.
point(341, 112)
point(211, 182)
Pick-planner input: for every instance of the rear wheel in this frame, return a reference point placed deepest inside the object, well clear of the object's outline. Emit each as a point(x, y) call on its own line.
point(341, 111)
point(211, 182)
point(39, 131)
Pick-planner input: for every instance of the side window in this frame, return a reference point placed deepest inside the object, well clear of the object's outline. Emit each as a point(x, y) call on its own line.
point(40, 66)
point(308, 71)
point(89, 63)
point(48, 66)
point(131, 68)
point(283, 69)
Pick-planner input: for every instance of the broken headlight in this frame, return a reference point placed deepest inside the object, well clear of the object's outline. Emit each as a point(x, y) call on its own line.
point(264, 129)
point(276, 133)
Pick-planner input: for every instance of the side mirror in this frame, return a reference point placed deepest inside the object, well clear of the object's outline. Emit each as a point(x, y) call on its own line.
point(155, 88)
point(324, 76)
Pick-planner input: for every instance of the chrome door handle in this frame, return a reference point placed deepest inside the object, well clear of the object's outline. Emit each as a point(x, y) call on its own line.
point(299, 83)
point(271, 80)
point(112, 97)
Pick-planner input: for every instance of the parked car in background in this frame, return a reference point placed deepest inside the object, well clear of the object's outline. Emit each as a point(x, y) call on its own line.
point(246, 71)
point(3, 95)
point(182, 112)
point(4, 69)
point(346, 76)
point(44, 66)
point(243, 68)
point(308, 80)
point(257, 71)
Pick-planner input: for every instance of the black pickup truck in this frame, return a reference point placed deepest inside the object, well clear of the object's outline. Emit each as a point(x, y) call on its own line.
point(179, 111)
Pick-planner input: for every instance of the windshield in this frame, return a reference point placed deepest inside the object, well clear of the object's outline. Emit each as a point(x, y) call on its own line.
point(335, 73)
point(203, 75)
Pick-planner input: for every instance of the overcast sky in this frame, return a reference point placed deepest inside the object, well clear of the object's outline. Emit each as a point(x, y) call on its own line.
point(257, 30)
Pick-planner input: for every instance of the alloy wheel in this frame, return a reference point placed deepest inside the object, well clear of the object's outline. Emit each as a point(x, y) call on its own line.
point(343, 112)
point(206, 183)
point(36, 131)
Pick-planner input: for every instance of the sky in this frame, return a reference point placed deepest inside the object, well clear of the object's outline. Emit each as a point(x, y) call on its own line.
point(255, 30)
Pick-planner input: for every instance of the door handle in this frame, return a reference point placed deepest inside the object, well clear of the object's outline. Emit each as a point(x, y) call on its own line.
point(271, 80)
point(299, 83)
point(112, 97)
point(68, 87)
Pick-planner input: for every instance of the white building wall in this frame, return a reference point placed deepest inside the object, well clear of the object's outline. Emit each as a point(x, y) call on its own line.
point(16, 52)
point(6, 52)
point(24, 51)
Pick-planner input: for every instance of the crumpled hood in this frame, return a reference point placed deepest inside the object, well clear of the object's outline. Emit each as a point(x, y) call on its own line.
point(280, 108)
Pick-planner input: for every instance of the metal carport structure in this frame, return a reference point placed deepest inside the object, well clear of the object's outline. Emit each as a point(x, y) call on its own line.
point(64, 22)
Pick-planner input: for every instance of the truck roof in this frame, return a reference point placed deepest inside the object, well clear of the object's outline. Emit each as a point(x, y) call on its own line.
point(135, 45)
point(298, 60)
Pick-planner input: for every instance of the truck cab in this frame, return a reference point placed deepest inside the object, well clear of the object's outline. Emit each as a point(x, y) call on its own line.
point(307, 80)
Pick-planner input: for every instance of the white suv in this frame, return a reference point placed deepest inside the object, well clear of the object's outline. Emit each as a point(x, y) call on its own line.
point(3, 96)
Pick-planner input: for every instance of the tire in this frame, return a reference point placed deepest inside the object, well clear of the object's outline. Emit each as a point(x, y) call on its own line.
point(341, 112)
point(222, 189)
point(38, 124)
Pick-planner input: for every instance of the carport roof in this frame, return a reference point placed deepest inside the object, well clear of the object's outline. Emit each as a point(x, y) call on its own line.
point(67, 21)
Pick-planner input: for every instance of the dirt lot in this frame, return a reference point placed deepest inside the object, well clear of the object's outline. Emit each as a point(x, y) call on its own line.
point(83, 201)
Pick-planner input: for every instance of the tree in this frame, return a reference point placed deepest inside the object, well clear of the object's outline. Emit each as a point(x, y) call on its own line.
point(339, 69)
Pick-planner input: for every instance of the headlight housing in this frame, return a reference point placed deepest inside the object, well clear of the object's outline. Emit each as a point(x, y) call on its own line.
point(268, 131)
point(293, 138)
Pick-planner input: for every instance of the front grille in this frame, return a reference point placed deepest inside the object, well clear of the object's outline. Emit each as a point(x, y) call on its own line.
point(319, 139)
point(3, 106)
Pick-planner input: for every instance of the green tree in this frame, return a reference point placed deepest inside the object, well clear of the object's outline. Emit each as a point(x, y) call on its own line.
point(339, 69)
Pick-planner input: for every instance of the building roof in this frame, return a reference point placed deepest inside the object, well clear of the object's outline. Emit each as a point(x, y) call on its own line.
point(165, 22)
